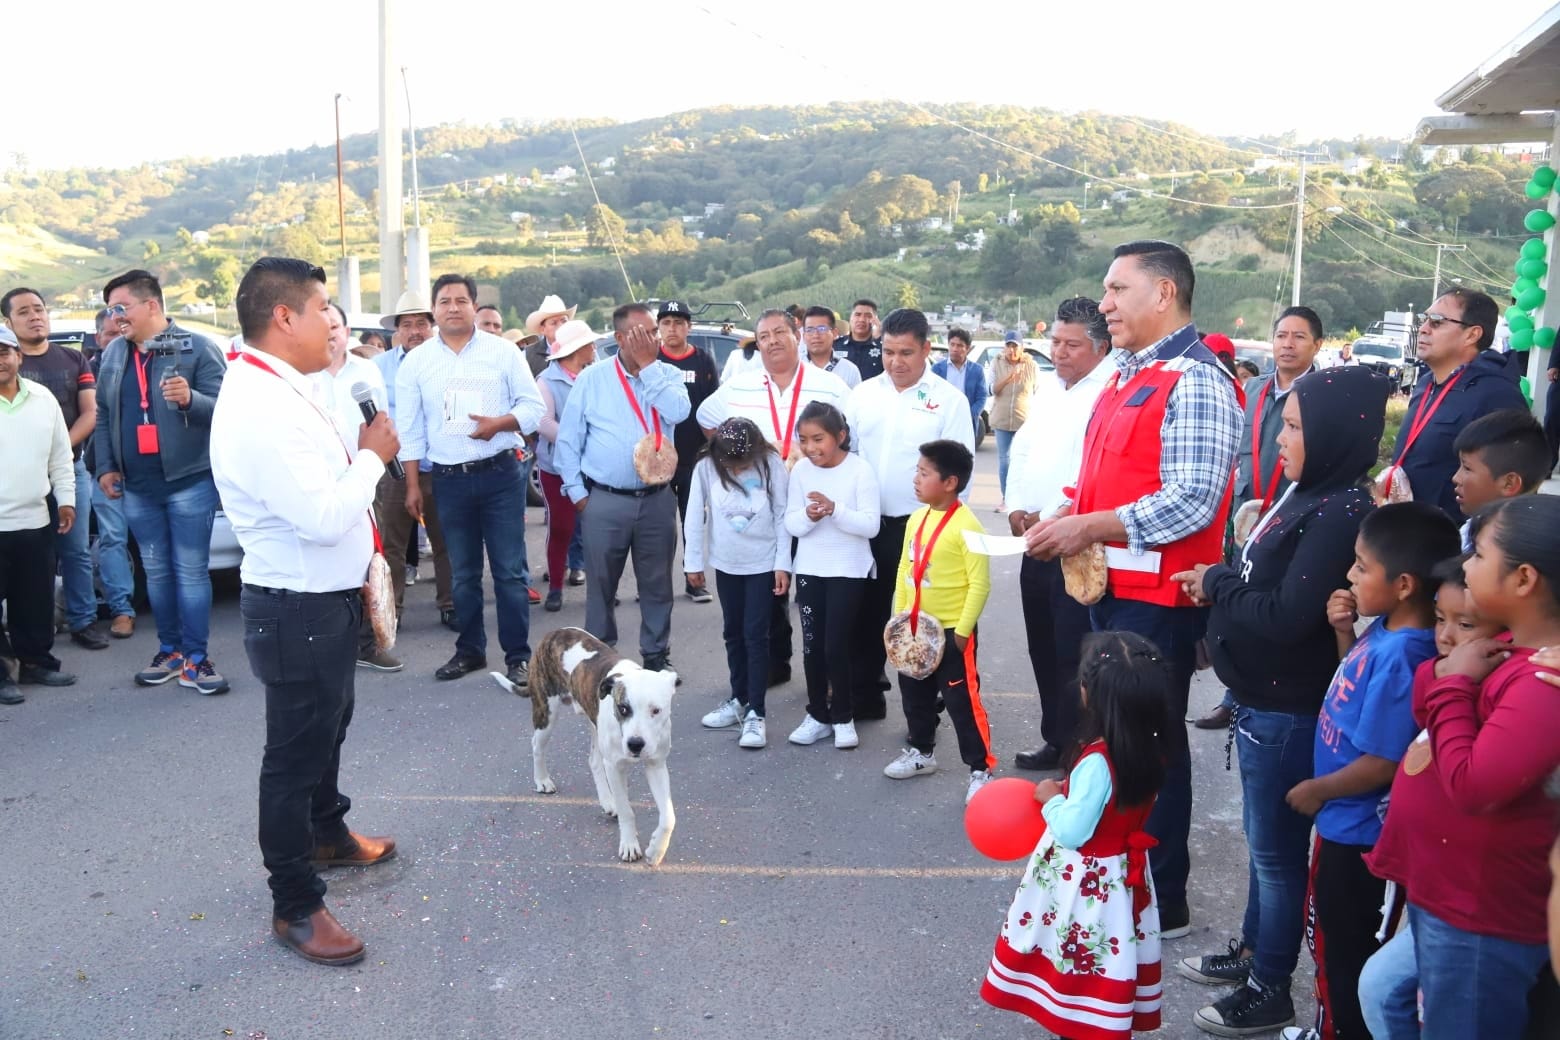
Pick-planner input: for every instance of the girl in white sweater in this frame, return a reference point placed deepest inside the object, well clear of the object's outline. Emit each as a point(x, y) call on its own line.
point(832, 509)
point(737, 498)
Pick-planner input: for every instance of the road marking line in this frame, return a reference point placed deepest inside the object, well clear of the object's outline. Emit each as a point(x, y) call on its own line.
point(741, 870)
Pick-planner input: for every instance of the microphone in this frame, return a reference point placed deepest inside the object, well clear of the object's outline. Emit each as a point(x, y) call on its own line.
point(363, 394)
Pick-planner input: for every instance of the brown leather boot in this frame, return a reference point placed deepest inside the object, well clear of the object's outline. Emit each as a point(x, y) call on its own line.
point(319, 938)
point(359, 850)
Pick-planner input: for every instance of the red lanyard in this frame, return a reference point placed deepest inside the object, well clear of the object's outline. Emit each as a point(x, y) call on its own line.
point(774, 413)
point(920, 558)
point(262, 366)
point(1427, 410)
point(1256, 452)
point(141, 359)
point(633, 403)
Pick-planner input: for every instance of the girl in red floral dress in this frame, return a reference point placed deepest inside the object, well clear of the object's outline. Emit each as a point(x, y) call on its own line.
point(1079, 952)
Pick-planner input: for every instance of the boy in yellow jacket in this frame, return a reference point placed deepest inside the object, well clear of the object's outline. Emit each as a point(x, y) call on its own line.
point(950, 581)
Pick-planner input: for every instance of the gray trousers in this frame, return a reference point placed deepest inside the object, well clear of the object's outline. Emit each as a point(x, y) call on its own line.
point(615, 526)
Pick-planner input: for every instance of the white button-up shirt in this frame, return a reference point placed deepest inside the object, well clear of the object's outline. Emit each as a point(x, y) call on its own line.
point(889, 425)
point(299, 508)
point(334, 394)
point(437, 389)
point(1047, 451)
point(751, 395)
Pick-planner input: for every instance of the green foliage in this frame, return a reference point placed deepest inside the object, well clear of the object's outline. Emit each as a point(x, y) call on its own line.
point(906, 295)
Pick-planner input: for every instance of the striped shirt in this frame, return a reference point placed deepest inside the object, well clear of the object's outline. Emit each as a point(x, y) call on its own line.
point(598, 430)
point(753, 395)
point(1197, 444)
point(437, 388)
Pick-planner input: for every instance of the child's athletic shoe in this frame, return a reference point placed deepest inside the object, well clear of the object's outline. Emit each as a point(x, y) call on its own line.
point(810, 731)
point(166, 665)
point(845, 735)
point(910, 763)
point(754, 733)
point(978, 778)
point(1218, 969)
point(1247, 1011)
point(726, 714)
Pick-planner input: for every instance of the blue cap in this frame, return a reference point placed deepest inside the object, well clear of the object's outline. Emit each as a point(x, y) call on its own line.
point(1013, 336)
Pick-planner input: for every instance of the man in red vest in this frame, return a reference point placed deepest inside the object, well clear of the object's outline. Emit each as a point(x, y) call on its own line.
point(1154, 487)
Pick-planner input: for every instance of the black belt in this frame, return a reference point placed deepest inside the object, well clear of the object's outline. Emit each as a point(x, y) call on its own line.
point(263, 590)
point(644, 492)
point(491, 462)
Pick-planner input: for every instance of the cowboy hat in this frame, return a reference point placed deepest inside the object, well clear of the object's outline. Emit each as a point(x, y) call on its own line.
point(550, 306)
point(411, 302)
point(572, 335)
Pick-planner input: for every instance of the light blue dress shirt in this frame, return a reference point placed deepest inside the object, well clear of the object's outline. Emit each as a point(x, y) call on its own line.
point(598, 431)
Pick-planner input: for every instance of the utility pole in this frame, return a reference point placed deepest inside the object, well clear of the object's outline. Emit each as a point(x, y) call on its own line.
point(341, 206)
point(1294, 296)
point(1441, 247)
point(349, 290)
point(392, 219)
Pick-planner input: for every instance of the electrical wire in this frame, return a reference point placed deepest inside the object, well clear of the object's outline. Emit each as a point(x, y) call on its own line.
point(1366, 257)
point(607, 227)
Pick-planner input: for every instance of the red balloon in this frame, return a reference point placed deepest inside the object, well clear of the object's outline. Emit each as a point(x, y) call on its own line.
point(1003, 820)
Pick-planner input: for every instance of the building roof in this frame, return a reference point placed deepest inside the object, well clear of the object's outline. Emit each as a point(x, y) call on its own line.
point(1511, 96)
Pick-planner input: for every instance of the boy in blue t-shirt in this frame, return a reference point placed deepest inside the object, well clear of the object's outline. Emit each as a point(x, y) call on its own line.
point(1366, 725)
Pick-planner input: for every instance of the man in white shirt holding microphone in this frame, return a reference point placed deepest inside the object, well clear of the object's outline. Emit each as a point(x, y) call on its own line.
point(299, 504)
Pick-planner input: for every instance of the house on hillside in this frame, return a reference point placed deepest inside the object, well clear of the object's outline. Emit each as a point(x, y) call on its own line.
point(1355, 165)
point(561, 174)
point(608, 163)
point(712, 208)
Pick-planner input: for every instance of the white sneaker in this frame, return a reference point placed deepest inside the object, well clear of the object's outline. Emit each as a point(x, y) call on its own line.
point(754, 734)
point(727, 713)
point(978, 778)
point(845, 735)
point(810, 731)
point(910, 763)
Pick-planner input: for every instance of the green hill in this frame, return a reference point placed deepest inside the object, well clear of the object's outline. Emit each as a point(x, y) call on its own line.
point(804, 204)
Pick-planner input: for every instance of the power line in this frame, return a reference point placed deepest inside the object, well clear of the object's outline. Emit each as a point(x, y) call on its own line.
point(1366, 257)
point(605, 224)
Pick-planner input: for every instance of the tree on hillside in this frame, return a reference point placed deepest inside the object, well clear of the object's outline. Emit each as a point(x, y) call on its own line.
point(568, 223)
point(907, 296)
point(603, 227)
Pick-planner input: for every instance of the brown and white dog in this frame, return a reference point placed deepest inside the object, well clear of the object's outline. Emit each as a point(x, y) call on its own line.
point(630, 713)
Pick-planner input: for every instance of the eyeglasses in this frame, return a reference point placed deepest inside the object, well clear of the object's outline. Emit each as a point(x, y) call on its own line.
point(810, 329)
point(1433, 321)
point(118, 310)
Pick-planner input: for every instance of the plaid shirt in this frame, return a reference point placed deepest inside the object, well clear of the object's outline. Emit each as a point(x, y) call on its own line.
point(1197, 444)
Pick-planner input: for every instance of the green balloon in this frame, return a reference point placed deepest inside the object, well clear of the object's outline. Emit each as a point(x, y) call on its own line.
point(1519, 322)
point(1533, 249)
point(1532, 299)
point(1534, 190)
point(1538, 220)
point(1545, 175)
point(1544, 338)
point(1520, 286)
point(1534, 269)
point(1522, 340)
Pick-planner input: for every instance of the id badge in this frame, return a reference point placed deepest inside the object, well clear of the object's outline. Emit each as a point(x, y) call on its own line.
point(146, 439)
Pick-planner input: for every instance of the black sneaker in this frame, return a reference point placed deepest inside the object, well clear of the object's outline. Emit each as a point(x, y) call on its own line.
point(1217, 969)
point(554, 602)
point(1175, 921)
point(661, 663)
point(90, 637)
point(1247, 1011)
point(447, 619)
point(700, 594)
point(519, 675)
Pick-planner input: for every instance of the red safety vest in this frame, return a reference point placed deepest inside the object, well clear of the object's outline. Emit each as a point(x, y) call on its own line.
point(1121, 464)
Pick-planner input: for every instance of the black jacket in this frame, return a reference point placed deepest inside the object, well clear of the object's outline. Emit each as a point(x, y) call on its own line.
point(1268, 634)
point(1488, 383)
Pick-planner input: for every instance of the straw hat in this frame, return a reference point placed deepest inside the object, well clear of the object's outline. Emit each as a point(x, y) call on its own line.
point(551, 306)
point(572, 335)
point(411, 302)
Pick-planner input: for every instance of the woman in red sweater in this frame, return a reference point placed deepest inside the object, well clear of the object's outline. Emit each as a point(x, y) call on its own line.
point(1469, 829)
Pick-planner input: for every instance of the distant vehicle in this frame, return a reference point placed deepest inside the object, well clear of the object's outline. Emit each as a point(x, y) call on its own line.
point(1386, 355)
point(720, 338)
point(982, 352)
point(1256, 352)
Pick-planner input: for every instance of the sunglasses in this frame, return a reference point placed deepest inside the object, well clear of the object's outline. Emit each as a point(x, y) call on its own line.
point(1434, 321)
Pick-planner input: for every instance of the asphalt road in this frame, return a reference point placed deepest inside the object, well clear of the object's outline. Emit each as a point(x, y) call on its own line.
point(804, 893)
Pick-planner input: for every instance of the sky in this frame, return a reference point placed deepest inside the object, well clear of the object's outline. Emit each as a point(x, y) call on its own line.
point(198, 78)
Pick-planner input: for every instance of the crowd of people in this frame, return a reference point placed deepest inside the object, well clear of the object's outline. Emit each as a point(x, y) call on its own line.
point(1234, 524)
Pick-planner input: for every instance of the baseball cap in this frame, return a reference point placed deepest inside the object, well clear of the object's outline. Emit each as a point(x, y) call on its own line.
point(674, 309)
point(8, 338)
point(1013, 336)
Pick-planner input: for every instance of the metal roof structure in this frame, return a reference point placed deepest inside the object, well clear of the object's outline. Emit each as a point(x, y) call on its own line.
point(1511, 96)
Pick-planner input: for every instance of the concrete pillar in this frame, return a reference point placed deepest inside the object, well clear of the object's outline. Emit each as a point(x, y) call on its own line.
point(417, 276)
point(349, 286)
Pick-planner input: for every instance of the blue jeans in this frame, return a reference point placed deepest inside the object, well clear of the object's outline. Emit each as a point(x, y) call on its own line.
point(74, 550)
point(1473, 985)
point(487, 509)
point(1004, 444)
point(1175, 631)
point(113, 552)
point(1275, 750)
point(525, 497)
point(745, 603)
point(174, 535)
point(577, 549)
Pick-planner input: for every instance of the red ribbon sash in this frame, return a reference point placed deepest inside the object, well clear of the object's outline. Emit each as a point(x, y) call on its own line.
point(921, 558)
point(633, 403)
point(774, 413)
point(1427, 410)
point(1256, 453)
